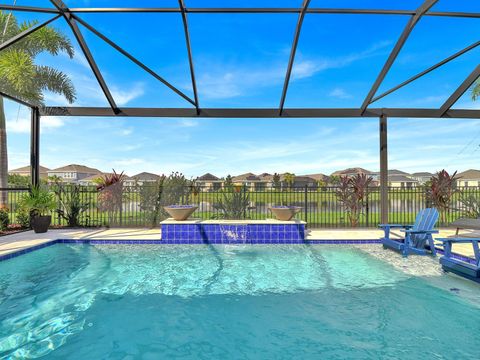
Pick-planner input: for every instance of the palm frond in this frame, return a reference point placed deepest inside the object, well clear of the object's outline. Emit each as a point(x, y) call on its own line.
point(19, 75)
point(47, 39)
point(55, 81)
point(18, 69)
point(476, 90)
point(12, 29)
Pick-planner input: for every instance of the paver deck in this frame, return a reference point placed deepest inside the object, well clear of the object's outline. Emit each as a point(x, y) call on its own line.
point(24, 240)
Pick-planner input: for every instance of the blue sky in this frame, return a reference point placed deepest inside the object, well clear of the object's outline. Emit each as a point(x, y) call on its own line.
point(240, 61)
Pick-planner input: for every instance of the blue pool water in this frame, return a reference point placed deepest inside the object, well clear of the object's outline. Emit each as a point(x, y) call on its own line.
point(226, 302)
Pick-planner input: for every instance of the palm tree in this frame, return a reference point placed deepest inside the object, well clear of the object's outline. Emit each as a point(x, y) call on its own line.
point(22, 78)
point(476, 90)
point(289, 179)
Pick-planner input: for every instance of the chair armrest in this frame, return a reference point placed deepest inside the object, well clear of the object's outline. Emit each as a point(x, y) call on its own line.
point(395, 226)
point(409, 231)
point(458, 240)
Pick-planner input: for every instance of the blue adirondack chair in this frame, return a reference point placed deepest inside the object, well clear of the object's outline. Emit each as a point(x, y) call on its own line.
point(417, 236)
point(468, 268)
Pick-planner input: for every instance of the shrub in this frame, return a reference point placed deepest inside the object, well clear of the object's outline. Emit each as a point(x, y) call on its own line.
point(110, 195)
point(23, 218)
point(470, 206)
point(234, 203)
point(4, 221)
point(440, 190)
point(72, 206)
point(151, 200)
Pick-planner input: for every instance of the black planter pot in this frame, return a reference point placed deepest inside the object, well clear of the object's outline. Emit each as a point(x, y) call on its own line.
point(40, 224)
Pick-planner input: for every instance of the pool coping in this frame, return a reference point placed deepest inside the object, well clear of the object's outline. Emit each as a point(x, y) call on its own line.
point(32, 248)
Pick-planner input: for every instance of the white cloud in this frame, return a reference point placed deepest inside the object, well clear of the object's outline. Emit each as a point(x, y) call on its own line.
point(306, 68)
point(88, 90)
point(22, 125)
point(219, 86)
point(187, 123)
point(431, 99)
point(130, 147)
point(228, 81)
point(303, 68)
point(339, 93)
point(51, 122)
point(126, 132)
point(123, 97)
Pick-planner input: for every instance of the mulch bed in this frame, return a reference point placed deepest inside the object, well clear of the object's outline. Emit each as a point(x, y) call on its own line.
point(12, 229)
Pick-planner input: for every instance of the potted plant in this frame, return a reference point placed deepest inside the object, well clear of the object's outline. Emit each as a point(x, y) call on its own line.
point(39, 203)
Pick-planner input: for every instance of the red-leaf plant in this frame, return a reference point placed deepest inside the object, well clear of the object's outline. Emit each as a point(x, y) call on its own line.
point(352, 193)
point(110, 195)
point(440, 191)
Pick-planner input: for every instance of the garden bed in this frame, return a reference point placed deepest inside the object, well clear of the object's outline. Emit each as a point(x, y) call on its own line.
point(12, 229)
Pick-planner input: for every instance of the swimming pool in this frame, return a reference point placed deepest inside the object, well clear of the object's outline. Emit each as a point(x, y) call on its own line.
point(226, 301)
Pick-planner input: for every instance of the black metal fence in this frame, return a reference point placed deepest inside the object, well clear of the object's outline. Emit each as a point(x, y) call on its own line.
point(141, 206)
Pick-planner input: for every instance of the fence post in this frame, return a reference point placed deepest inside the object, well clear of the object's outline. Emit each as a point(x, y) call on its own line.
point(244, 195)
point(384, 201)
point(367, 211)
point(306, 205)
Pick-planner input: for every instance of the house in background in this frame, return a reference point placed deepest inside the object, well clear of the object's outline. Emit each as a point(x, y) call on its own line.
point(397, 172)
point(73, 173)
point(402, 181)
point(393, 172)
point(250, 181)
point(91, 180)
point(25, 171)
point(141, 178)
point(305, 181)
point(469, 178)
point(209, 182)
point(319, 178)
point(421, 177)
point(350, 172)
point(299, 182)
point(95, 179)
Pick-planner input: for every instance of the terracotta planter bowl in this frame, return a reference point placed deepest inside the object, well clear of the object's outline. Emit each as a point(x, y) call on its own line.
point(285, 213)
point(180, 212)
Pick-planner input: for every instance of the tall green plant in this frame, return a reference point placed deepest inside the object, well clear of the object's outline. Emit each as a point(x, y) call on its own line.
point(276, 181)
point(470, 206)
point(39, 201)
point(228, 183)
point(352, 193)
point(234, 202)
point(151, 200)
point(71, 204)
point(176, 189)
point(21, 77)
